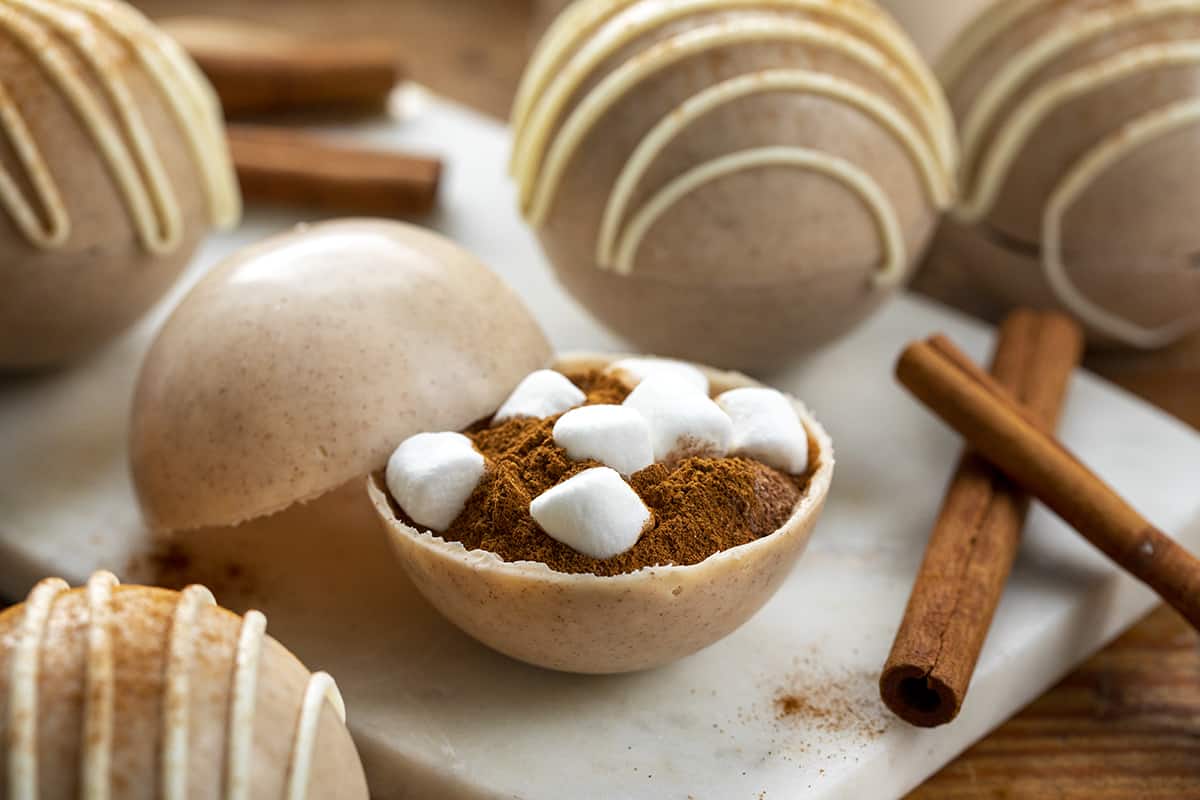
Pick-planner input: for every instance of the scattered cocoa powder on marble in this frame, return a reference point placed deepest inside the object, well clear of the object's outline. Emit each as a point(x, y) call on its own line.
point(701, 506)
point(790, 705)
point(833, 704)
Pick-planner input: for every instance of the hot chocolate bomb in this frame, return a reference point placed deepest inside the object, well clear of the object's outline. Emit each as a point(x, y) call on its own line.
point(113, 164)
point(1080, 127)
point(729, 182)
point(131, 692)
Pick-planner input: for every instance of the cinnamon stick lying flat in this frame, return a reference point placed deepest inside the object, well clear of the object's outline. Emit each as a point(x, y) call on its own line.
point(258, 69)
point(975, 538)
point(280, 166)
point(993, 423)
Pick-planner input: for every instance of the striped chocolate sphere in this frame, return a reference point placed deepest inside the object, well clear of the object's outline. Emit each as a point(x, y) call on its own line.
point(129, 692)
point(1080, 128)
point(729, 181)
point(113, 166)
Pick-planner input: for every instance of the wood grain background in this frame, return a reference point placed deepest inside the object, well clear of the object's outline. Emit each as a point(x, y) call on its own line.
point(1124, 725)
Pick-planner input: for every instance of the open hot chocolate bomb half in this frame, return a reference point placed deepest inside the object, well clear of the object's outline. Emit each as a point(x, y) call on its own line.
point(296, 366)
point(729, 182)
point(113, 165)
point(612, 521)
point(1080, 124)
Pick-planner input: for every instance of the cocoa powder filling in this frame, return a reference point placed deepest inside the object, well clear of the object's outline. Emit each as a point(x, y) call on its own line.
point(701, 506)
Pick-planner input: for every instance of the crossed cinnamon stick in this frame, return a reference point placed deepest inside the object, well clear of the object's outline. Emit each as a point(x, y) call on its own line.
point(260, 70)
point(288, 167)
point(1006, 418)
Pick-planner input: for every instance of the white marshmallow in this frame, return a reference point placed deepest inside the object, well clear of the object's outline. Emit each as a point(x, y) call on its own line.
point(431, 475)
point(766, 428)
point(596, 513)
point(616, 436)
point(683, 421)
point(541, 394)
point(632, 371)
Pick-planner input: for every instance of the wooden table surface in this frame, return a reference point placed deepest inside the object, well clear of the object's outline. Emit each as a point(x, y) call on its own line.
point(1124, 725)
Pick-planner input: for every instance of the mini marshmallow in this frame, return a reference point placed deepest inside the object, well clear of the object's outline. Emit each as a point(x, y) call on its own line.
point(616, 436)
point(632, 371)
point(431, 476)
point(683, 422)
point(595, 513)
point(766, 428)
point(541, 394)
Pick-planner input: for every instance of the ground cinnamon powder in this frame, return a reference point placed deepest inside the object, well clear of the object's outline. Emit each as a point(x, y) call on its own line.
point(700, 505)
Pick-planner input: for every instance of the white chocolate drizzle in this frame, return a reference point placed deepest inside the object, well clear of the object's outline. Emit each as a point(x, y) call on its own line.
point(658, 57)
point(192, 99)
point(572, 25)
point(984, 189)
point(23, 690)
point(591, 32)
point(991, 23)
point(938, 177)
point(100, 690)
point(99, 680)
point(63, 36)
point(240, 743)
point(987, 162)
point(57, 227)
point(1007, 81)
point(321, 687)
point(1099, 159)
point(845, 172)
point(583, 18)
point(177, 690)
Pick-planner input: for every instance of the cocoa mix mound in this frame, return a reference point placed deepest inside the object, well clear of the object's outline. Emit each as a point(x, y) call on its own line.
point(701, 506)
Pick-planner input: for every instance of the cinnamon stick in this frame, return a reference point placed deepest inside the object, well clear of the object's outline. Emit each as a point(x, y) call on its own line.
point(257, 69)
point(992, 422)
point(280, 166)
point(975, 539)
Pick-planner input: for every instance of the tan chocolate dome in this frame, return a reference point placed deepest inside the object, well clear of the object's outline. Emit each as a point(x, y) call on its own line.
point(132, 692)
point(1080, 123)
point(729, 181)
point(302, 361)
point(113, 165)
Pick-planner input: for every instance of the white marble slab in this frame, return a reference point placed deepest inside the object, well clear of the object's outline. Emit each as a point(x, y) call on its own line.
point(437, 715)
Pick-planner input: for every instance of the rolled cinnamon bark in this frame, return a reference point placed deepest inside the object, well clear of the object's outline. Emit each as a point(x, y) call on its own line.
point(991, 421)
point(257, 69)
point(277, 165)
point(976, 536)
